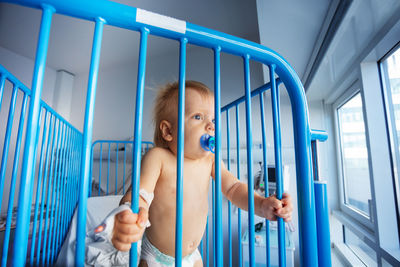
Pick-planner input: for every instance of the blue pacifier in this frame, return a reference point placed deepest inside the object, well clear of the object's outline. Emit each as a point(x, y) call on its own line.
point(207, 142)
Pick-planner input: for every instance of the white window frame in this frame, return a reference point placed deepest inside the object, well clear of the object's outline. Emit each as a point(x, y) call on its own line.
point(354, 89)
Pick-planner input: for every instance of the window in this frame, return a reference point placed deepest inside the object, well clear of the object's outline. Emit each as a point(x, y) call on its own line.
point(356, 185)
point(390, 72)
point(366, 254)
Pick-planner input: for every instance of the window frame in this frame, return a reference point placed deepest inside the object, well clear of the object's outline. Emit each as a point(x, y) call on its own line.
point(349, 93)
point(391, 127)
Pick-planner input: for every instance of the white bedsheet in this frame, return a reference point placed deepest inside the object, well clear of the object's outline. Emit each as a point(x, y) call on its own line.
point(97, 209)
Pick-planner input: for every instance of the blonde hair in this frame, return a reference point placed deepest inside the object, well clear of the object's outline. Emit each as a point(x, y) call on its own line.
point(166, 103)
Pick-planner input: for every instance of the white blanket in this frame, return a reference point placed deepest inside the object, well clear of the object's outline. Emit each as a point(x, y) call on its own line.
point(97, 209)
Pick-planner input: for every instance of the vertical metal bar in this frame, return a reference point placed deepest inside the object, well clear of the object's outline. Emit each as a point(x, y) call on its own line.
point(218, 157)
point(6, 239)
point(265, 170)
point(136, 158)
point(7, 139)
point(100, 161)
point(2, 82)
point(91, 171)
point(49, 192)
point(180, 156)
point(238, 176)
point(229, 203)
point(322, 216)
point(40, 175)
point(54, 194)
point(63, 210)
point(278, 161)
point(44, 187)
point(213, 220)
point(108, 168)
point(87, 142)
point(207, 245)
point(250, 181)
point(28, 165)
point(61, 194)
point(116, 172)
point(123, 178)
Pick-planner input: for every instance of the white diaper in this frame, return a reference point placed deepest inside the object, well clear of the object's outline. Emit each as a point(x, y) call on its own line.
point(155, 258)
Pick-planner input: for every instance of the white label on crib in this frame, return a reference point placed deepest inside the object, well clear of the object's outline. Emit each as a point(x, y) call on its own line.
point(157, 20)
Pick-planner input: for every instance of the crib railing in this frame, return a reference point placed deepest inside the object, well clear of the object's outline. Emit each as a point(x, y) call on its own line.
point(54, 198)
point(105, 12)
point(116, 155)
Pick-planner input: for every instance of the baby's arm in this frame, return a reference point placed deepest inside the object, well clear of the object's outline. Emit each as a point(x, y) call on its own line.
point(129, 227)
point(269, 207)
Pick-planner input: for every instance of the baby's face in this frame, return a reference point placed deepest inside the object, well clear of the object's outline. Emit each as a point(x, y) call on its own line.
point(199, 120)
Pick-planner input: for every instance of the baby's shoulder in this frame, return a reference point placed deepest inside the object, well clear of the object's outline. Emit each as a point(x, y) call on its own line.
point(158, 153)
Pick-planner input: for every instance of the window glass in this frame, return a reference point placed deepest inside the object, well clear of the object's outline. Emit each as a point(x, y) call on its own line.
point(366, 254)
point(354, 153)
point(391, 78)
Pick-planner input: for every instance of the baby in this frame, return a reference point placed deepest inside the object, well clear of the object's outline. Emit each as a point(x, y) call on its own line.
point(158, 180)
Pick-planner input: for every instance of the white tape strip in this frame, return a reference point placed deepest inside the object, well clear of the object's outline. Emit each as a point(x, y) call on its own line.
point(157, 20)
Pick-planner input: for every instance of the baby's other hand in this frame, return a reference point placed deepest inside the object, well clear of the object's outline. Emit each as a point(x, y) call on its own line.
point(128, 228)
point(271, 207)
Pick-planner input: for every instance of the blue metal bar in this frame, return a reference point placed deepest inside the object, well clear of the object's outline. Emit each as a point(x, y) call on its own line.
point(40, 175)
point(207, 245)
point(63, 202)
point(136, 155)
point(100, 161)
point(318, 135)
point(250, 182)
point(2, 82)
point(48, 158)
point(180, 153)
point(54, 195)
point(49, 192)
point(108, 167)
point(213, 220)
point(61, 193)
point(218, 157)
point(7, 139)
point(265, 171)
point(6, 239)
point(238, 176)
point(323, 232)
point(87, 141)
point(28, 165)
point(278, 162)
point(58, 196)
point(255, 92)
point(123, 179)
point(91, 172)
point(116, 172)
point(228, 158)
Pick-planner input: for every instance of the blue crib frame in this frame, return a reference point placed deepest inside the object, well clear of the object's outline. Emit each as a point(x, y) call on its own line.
point(105, 12)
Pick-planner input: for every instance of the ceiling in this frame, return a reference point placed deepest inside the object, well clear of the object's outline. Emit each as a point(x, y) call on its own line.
point(293, 26)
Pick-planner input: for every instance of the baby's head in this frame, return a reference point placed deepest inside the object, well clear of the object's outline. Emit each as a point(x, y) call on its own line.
point(166, 106)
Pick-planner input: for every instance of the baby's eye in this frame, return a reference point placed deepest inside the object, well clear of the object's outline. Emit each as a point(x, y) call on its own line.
point(197, 117)
point(213, 121)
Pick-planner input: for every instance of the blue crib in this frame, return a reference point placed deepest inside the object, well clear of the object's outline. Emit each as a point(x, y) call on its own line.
point(65, 155)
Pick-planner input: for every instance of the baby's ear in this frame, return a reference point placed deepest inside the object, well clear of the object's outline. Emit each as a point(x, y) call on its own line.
point(166, 130)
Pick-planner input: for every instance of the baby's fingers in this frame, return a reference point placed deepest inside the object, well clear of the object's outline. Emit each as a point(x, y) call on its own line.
point(143, 217)
point(126, 216)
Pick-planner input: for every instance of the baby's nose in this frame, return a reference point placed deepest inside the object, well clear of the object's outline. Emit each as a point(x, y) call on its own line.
point(210, 126)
